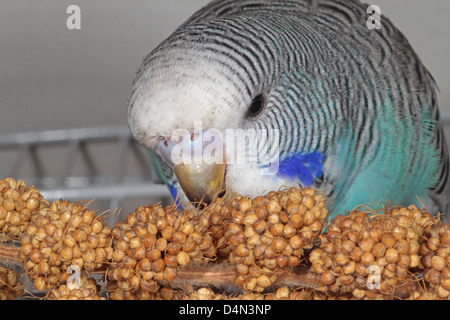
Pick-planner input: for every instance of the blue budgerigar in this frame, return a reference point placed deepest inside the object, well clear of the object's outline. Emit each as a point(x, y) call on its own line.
point(332, 103)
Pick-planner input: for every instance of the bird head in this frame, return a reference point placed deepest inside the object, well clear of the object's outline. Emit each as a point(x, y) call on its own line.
point(205, 101)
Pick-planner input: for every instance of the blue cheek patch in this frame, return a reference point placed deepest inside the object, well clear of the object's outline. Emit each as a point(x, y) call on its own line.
point(175, 196)
point(304, 167)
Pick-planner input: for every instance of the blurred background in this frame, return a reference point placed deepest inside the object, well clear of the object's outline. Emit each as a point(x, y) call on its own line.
point(63, 93)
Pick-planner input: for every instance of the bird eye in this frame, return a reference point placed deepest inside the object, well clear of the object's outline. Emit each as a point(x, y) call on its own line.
point(256, 106)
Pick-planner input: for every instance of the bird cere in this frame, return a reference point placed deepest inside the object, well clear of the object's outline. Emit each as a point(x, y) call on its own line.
point(305, 156)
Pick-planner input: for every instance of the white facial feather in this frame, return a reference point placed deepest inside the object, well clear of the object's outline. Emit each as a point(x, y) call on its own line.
point(173, 94)
point(164, 102)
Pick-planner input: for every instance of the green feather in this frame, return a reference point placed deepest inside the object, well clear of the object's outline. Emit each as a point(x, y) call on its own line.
point(392, 175)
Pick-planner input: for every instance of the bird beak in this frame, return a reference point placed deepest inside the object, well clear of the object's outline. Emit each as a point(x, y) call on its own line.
point(200, 182)
point(198, 160)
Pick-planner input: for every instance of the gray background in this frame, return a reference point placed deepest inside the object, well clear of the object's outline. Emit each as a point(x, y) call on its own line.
point(54, 78)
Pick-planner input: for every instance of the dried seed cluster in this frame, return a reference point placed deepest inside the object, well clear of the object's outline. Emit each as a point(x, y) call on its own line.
point(164, 293)
point(269, 233)
point(262, 237)
point(203, 294)
point(86, 289)
point(286, 293)
point(424, 295)
point(10, 287)
point(363, 251)
point(18, 202)
point(65, 234)
point(206, 293)
point(161, 293)
point(435, 259)
point(154, 241)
